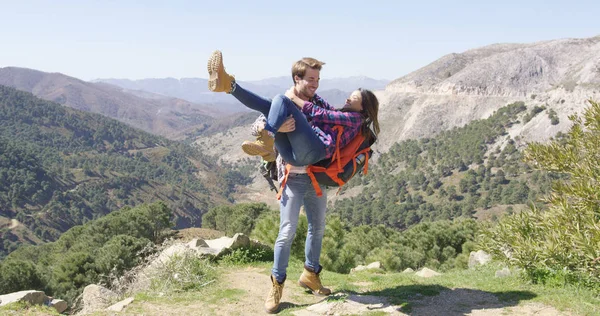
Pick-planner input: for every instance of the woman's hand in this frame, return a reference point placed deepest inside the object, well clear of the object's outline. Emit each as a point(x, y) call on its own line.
point(288, 126)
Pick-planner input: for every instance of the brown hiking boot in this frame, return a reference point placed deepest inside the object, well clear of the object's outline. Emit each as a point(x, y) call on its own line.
point(272, 302)
point(311, 281)
point(262, 146)
point(218, 80)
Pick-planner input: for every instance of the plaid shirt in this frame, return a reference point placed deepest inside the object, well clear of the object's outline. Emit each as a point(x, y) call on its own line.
point(323, 117)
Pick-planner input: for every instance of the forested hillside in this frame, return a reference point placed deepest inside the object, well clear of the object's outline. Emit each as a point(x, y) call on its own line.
point(458, 173)
point(61, 167)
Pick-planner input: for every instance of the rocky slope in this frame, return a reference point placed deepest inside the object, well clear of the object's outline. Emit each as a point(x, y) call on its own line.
point(458, 88)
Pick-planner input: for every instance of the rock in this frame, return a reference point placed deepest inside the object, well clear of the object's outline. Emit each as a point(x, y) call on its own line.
point(120, 305)
point(479, 258)
point(32, 297)
point(59, 305)
point(427, 273)
point(237, 241)
point(96, 298)
point(408, 270)
point(374, 265)
point(351, 304)
point(503, 273)
point(197, 243)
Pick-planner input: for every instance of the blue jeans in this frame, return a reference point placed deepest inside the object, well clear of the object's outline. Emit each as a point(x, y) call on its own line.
point(299, 190)
point(300, 147)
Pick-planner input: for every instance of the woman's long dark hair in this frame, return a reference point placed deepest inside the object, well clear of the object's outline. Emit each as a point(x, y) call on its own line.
point(370, 106)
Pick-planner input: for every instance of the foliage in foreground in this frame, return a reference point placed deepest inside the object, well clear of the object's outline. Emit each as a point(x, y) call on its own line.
point(564, 241)
point(85, 254)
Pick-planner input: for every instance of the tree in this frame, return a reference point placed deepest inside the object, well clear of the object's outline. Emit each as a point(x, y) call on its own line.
point(563, 240)
point(19, 275)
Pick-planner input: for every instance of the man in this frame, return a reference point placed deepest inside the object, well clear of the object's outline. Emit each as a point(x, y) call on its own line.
point(298, 190)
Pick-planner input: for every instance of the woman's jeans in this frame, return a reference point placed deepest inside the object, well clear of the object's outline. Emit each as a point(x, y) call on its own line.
point(299, 190)
point(300, 147)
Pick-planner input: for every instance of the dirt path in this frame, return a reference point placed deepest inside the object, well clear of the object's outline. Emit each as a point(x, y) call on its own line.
point(243, 291)
point(254, 282)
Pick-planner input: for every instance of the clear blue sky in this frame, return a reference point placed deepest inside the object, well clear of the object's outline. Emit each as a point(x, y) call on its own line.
point(260, 39)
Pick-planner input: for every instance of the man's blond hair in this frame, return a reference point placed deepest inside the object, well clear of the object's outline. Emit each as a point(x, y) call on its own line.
point(299, 67)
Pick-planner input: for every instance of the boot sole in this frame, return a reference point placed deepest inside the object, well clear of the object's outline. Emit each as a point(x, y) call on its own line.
point(215, 62)
point(255, 150)
point(272, 312)
point(308, 288)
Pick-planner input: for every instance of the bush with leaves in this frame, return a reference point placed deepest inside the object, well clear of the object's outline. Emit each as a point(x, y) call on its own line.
point(86, 253)
point(564, 240)
point(245, 255)
point(232, 219)
point(267, 229)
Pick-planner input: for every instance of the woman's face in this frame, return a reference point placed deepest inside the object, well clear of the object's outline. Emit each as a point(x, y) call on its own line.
point(354, 102)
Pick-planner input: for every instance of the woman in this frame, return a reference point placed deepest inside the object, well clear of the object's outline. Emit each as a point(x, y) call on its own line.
point(309, 137)
point(300, 143)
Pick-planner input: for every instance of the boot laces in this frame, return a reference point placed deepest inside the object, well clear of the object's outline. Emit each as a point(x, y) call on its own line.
point(275, 292)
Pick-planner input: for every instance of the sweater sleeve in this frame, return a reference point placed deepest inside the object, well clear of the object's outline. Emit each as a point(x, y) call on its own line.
point(333, 117)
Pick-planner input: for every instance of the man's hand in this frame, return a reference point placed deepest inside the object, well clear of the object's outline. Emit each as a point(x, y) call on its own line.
point(288, 126)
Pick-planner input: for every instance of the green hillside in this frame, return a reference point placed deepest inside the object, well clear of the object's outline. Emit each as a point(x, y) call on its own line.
point(475, 170)
point(61, 167)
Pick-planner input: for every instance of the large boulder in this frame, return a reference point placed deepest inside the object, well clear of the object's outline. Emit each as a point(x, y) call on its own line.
point(479, 258)
point(96, 298)
point(31, 297)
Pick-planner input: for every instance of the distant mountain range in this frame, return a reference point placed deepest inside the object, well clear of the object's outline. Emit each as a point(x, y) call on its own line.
point(196, 89)
point(157, 114)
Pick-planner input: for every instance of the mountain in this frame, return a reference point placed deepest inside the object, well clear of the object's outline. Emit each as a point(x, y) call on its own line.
point(158, 114)
point(60, 167)
point(196, 89)
point(555, 77)
point(559, 75)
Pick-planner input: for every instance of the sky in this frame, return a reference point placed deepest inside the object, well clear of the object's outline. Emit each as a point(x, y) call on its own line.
point(261, 39)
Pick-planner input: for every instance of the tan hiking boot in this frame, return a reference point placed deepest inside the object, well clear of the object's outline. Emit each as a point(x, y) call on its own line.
point(311, 281)
point(274, 298)
point(218, 80)
point(262, 146)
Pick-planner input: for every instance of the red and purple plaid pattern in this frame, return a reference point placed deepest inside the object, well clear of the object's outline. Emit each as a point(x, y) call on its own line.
point(323, 117)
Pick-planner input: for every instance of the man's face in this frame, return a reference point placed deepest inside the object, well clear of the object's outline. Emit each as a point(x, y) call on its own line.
point(307, 86)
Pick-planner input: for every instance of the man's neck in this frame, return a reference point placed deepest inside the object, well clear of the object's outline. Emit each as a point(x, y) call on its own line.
point(303, 97)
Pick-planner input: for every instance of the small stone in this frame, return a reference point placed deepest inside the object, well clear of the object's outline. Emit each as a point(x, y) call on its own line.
point(503, 273)
point(427, 273)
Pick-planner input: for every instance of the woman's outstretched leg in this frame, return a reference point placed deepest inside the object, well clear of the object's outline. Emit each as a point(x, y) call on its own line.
point(299, 147)
point(220, 81)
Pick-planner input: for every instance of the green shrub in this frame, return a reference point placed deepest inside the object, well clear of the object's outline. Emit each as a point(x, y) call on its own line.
point(247, 255)
point(562, 241)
